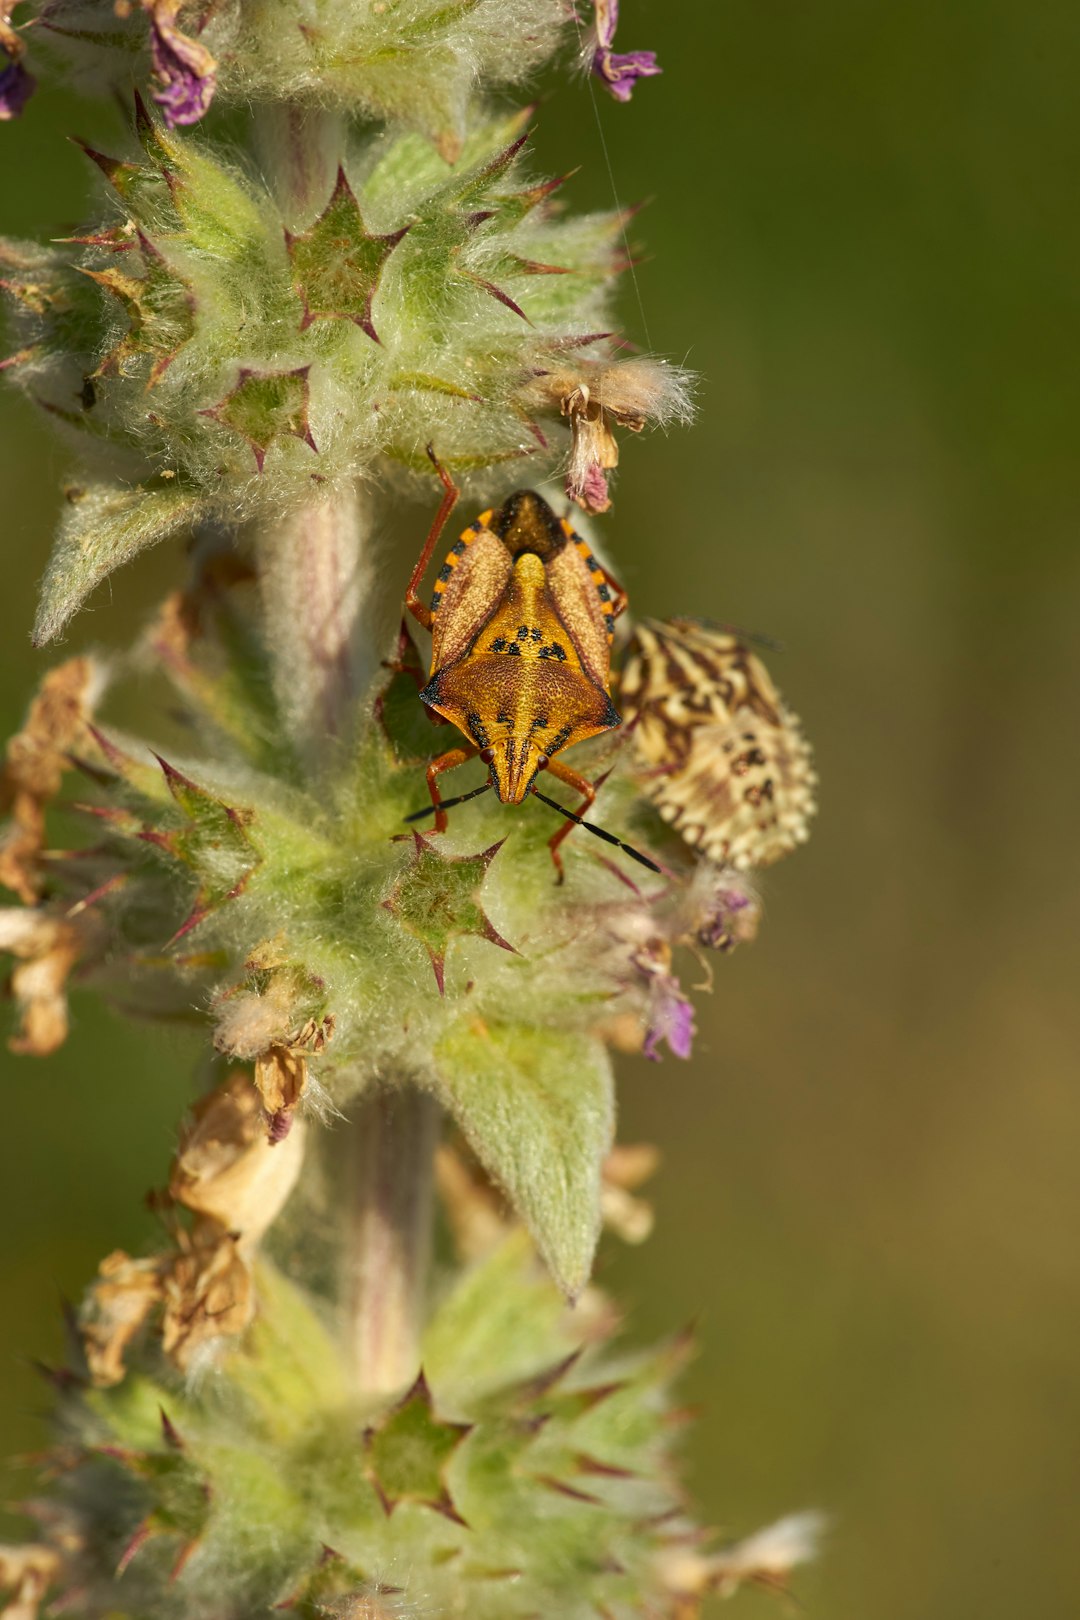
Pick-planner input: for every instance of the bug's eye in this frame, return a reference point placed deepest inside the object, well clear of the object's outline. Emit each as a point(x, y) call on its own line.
point(542, 763)
point(487, 755)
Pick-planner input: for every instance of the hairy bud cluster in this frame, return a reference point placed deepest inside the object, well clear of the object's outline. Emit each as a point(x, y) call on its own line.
point(230, 366)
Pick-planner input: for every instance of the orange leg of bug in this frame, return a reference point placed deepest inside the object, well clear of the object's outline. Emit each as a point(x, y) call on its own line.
point(421, 611)
point(619, 597)
point(572, 779)
point(446, 762)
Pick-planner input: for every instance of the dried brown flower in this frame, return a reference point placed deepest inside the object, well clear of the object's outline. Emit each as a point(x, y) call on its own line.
point(26, 1573)
point(208, 1293)
point(47, 948)
point(626, 1168)
point(37, 757)
point(595, 396)
point(225, 1169)
point(116, 1307)
point(235, 1182)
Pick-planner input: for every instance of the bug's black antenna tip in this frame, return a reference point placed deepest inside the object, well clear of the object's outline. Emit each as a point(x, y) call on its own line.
point(599, 832)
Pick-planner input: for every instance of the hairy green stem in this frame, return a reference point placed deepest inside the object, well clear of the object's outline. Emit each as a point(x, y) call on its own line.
point(390, 1147)
point(318, 588)
point(316, 577)
point(299, 150)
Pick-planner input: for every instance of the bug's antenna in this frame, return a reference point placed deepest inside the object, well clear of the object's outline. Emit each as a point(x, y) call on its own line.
point(446, 804)
point(590, 826)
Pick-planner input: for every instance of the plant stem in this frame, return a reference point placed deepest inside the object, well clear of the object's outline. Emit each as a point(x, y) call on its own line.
point(299, 150)
point(319, 595)
point(391, 1147)
point(316, 578)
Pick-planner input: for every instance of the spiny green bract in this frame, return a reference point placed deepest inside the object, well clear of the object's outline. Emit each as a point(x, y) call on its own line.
point(527, 1472)
point(227, 367)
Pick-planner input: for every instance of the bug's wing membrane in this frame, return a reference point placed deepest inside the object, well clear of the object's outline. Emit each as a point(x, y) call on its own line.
point(574, 594)
point(468, 598)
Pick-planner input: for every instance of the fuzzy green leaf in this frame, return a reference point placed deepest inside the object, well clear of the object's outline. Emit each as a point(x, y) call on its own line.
point(538, 1110)
point(103, 527)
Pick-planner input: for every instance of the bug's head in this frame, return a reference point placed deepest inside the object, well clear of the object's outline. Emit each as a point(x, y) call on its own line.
point(513, 764)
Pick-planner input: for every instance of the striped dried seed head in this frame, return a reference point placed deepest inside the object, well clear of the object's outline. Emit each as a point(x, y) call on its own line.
point(724, 759)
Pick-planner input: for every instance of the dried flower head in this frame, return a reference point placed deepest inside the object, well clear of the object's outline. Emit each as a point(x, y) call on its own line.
point(766, 1558)
point(226, 1169)
point(26, 1574)
point(47, 947)
point(596, 396)
point(37, 758)
point(627, 1167)
point(202, 1289)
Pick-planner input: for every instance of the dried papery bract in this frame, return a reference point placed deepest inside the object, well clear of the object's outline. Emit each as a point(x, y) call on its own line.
point(36, 760)
point(235, 1181)
point(46, 949)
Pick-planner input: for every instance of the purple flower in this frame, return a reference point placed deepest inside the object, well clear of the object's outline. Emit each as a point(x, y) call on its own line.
point(16, 88)
point(16, 84)
point(618, 71)
point(731, 919)
point(671, 1019)
point(185, 70)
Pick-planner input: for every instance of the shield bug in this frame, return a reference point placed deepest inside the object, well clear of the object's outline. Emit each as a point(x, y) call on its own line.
point(728, 765)
point(521, 620)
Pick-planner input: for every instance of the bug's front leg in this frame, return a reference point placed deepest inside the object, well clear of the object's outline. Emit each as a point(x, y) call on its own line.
point(572, 779)
point(421, 611)
point(446, 762)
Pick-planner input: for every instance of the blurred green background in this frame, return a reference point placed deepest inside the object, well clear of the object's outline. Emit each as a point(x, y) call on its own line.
point(864, 235)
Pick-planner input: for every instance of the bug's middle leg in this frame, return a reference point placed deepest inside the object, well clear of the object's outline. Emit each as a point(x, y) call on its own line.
point(446, 762)
point(575, 780)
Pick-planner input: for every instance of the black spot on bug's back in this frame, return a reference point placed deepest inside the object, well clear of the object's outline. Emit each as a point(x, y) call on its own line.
point(458, 547)
point(477, 729)
point(526, 522)
point(445, 571)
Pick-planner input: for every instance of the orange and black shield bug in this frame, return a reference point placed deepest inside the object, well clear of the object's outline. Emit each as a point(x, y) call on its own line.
point(521, 621)
point(727, 763)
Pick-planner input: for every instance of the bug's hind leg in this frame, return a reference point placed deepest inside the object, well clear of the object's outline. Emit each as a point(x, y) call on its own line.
point(420, 610)
point(575, 780)
point(445, 762)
